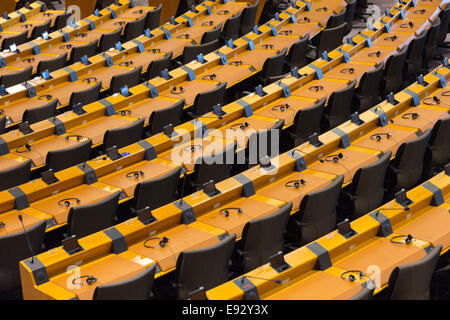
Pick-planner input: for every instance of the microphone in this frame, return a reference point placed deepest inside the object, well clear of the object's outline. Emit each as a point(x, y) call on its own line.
point(404, 208)
point(184, 185)
point(26, 237)
point(314, 157)
point(276, 280)
point(390, 120)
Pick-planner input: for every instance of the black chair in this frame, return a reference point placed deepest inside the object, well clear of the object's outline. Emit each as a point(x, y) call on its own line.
point(248, 18)
point(62, 20)
point(40, 29)
point(157, 192)
point(231, 27)
point(393, 72)
point(207, 267)
point(130, 79)
point(134, 29)
point(191, 52)
point(204, 101)
point(307, 122)
point(40, 113)
point(273, 68)
point(212, 35)
point(163, 117)
point(87, 50)
point(339, 107)
point(261, 238)
point(9, 80)
point(156, 66)
point(122, 137)
point(14, 248)
point(438, 149)
point(429, 51)
point(87, 96)
point(327, 40)
point(337, 19)
point(445, 20)
point(68, 157)
point(138, 287)
point(153, 18)
point(413, 61)
point(366, 190)
point(364, 294)
point(406, 170)
point(52, 64)
point(88, 219)
point(213, 167)
point(316, 216)
point(296, 56)
point(412, 281)
point(367, 94)
point(15, 176)
point(108, 40)
point(2, 124)
point(349, 15)
point(17, 40)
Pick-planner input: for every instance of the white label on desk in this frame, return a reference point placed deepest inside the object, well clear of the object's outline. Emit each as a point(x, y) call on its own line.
point(143, 261)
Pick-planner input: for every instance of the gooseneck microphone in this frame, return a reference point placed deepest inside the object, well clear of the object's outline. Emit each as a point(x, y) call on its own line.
point(314, 157)
point(276, 280)
point(26, 237)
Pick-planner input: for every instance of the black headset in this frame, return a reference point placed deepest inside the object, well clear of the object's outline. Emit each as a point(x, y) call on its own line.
point(350, 70)
point(135, 174)
point(226, 211)
point(377, 53)
point(119, 23)
point(304, 20)
point(207, 23)
point(281, 107)
point(175, 90)
point(411, 115)
point(286, 32)
point(90, 79)
point(81, 34)
point(27, 147)
point(393, 38)
point(241, 125)
point(90, 280)
point(316, 88)
point(162, 243)
point(184, 36)
point(29, 60)
point(351, 277)
point(66, 46)
point(267, 46)
point(334, 157)
point(193, 147)
point(324, 9)
point(236, 63)
point(126, 63)
point(67, 202)
point(46, 97)
point(223, 12)
point(211, 76)
point(410, 24)
point(79, 137)
point(379, 136)
point(155, 50)
point(295, 183)
point(407, 239)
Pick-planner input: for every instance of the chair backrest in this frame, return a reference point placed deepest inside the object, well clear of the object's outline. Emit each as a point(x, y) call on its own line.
point(307, 121)
point(134, 29)
point(130, 79)
point(124, 136)
point(191, 52)
point(19, 39)
point(368, 92)
point(163, 117)
point(367, 186)
point(413, 61)
point(14, 248)
point(297, 53)
point(9, 80)
point(248, 18)
point(2, 124)
point(108, 40)
point(61, 20)
point(274, 66)
point(206, 267)
point(212, 35)
point(393, 72)
point(260, 143)
point(153, 18)
point(40, 113)
point(204, 101)
point(156, 66)
point(263, 237)
point(349, 15)
point(431, 41)
point(138, 287)
point(439, 145)
point(68, 157)
point(40, 29)
point(214, 167)
point(87, 96)
point(445, 19)
point(52, 64)
point(337, 19)
point(412, 281)
point(318, 211)
point(231, 27)
point(15, 176)
point(339, 106)
point(88, 219)
point(408, 162)
point(77, 53)
point(155, 193)
point(331, 38)
point(364, 294)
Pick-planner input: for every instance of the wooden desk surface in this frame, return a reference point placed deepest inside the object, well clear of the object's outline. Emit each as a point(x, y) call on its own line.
point(348, 71)
point(31, 60)
point(105, 74)
point(191, 89)
point(426, 120)
point(369, 54)
point(434, 3)
point(387, 40)
point(115, 23)
point(336, 6)
point(7, 70)
point(174, 45)
point(90, 35)
point(212, 20)
point(7, 163)
point(300, 29)
point(145, 108)
point(277, 109)
point(319, 89)
point(254, 58)
point(227, 73)
point(134, 13)
point(21, 27)
point(143, 59)
point(194, 33)
point(12, 223)
point(152, 169)
point(65, 47)
point(15, 110)
point(314, 16)
point(63, 91)
point(276, 43)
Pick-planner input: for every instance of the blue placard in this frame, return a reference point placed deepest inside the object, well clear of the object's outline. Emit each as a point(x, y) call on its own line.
point(369, 42)
point(402, 14)
point(350, 41)
point(2, 62)
point(167, 34)
point(3, 91)
point(13, 47)
point(415, 100)
point(274, 31)
point(118, 46)
point(413, 3)
point(388, 13)
point(45, 36)
point(346, 57)
point(223, 59)
point(319, 73)
point(125, 91)
point(369, 25)
point(442, 82)
point(109, 61)
point(388, 27)
point(200, 58)
point(85, 60)
point(66, 37)
point(445, 62)
point(255, 29)
point(294, 72)
point(91, 25)
point(286, 92)
point(97, 13)
point(383, 119)
point(165, 74)
point(36, 49)
point(23, 18)
point(230, 44)
point(153, 92)
point(46, 75)
point(208, 9)
point(73, 76)
point(141, 47)
point(73, 24)
point(277, 16)
point(190, 23)
point(293, 19)
point(31, 92)
point(308, 6)
point(172, 20)
point(1, 28)
point(113, 14)
point(193, 9)
point(325, 55)
point(132, 5)
point(147, 33)
point(259, 90)
point(251, 45)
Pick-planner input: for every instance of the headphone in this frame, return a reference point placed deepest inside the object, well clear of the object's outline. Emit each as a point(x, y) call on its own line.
point(140, 11)
point(435, 99)
point(88, 80)
point(74, 136)
point(267, 46)
point(378, 136)
point(124, 113)
point(240, 125)
point(305, 20)
point(174, 90)
point(2, 225)
point(316, 88)
point(393, 38)
point(281, 107)
point(378, 54)
point(410, 24)
point(351, 277)
point(90, 280)
point(66, 202)
point(67, 46)
point(27, 147)
point(408, 239)
point(119, 23)
point(211, 76)
point(126, 63)
point(184, 36)
point(411, 115)
point(350, 70)
point(155, 50)
point(445, 93)
point(226, 211)
point(286, 32)
point(162, 243)
point(236, 63)
point(295, 183)
point(223, 12)
point(334, 157)
point(45, 96)
point(207, 23)
point(325, 9)
point(421, 11)
point(81, 34)
point(135, 174)
point(193, 147)
point(29, 60)
point(26, 25)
